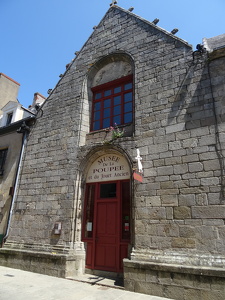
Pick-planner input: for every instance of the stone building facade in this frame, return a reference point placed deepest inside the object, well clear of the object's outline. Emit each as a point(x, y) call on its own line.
point(14, 118)
point(79, 206)
point(12, 145)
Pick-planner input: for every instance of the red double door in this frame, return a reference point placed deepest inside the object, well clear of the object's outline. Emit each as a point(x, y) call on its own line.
point(106, 227)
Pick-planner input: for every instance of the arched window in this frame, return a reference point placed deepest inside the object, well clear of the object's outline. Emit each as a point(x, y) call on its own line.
point(112, 103)
point(111, 87)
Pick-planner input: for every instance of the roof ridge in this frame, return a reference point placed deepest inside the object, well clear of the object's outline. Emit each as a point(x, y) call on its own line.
point(2, 74)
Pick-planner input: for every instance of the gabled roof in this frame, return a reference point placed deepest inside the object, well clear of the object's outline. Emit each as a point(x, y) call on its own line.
point(11, 104)
point(115, 10)
point(131, 14)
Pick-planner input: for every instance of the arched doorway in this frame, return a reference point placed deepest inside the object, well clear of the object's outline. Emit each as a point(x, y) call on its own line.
point(107, 213)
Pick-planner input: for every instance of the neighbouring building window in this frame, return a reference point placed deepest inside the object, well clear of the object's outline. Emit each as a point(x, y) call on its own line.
point(9, 118)
point(112, 103)
point(3, 154)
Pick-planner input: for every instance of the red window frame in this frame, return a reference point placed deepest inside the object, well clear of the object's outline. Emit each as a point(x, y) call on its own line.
point(112, 103)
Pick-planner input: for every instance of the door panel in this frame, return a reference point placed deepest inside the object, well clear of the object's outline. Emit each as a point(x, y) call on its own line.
point(106, 237)
point(105, 258)
point(106, 219)
point(89, 254)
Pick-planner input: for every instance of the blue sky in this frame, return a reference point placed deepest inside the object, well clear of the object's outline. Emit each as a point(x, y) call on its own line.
point(39, 37)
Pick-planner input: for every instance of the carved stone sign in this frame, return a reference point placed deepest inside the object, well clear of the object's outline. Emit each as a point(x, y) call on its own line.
point(107, 168)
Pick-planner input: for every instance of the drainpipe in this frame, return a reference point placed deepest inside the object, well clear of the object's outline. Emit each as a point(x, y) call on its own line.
point(24, 129)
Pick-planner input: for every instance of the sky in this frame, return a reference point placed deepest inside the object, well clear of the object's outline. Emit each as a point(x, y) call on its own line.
point(39, 37)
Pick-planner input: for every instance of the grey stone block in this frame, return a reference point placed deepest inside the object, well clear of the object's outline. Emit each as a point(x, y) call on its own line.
point(208, 212)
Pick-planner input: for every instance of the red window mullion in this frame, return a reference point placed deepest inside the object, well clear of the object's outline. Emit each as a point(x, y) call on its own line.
point(101, 113)
point(111, 110)
point(122, 104)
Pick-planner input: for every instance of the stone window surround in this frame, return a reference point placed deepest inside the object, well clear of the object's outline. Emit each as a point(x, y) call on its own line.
point(12, 110)
point(103, 62)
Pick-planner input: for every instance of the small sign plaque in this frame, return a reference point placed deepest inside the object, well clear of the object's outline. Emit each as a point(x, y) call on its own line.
point(89, 226)
point(138, 176)
point(126, 227)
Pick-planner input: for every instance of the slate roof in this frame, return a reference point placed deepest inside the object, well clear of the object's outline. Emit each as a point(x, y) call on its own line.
point(214, 43)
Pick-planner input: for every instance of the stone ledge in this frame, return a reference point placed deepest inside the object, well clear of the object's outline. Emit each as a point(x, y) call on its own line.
point(185, 269)
point(53, 264)
point(180, 258)
point(34, 253)
point(38, 248)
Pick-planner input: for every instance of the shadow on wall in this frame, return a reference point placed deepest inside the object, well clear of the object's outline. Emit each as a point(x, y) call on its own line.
point(184, 93)
point(194, 106)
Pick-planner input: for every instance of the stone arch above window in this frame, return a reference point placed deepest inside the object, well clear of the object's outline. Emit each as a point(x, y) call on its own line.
point(112, 71)
point(109, 68)
point(110, 90)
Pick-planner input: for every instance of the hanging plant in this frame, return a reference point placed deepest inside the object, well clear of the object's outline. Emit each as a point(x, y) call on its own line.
point(116, 133)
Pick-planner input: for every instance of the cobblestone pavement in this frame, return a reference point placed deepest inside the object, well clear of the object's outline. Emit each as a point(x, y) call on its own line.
point(21, 285)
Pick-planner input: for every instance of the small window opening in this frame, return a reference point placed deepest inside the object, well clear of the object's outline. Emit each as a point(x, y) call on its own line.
point(9, 118)
point(3, 154)
point(108, 190)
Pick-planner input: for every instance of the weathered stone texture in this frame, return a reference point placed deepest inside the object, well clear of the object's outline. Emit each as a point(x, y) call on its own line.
point(177, 128)
point(175, 282)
